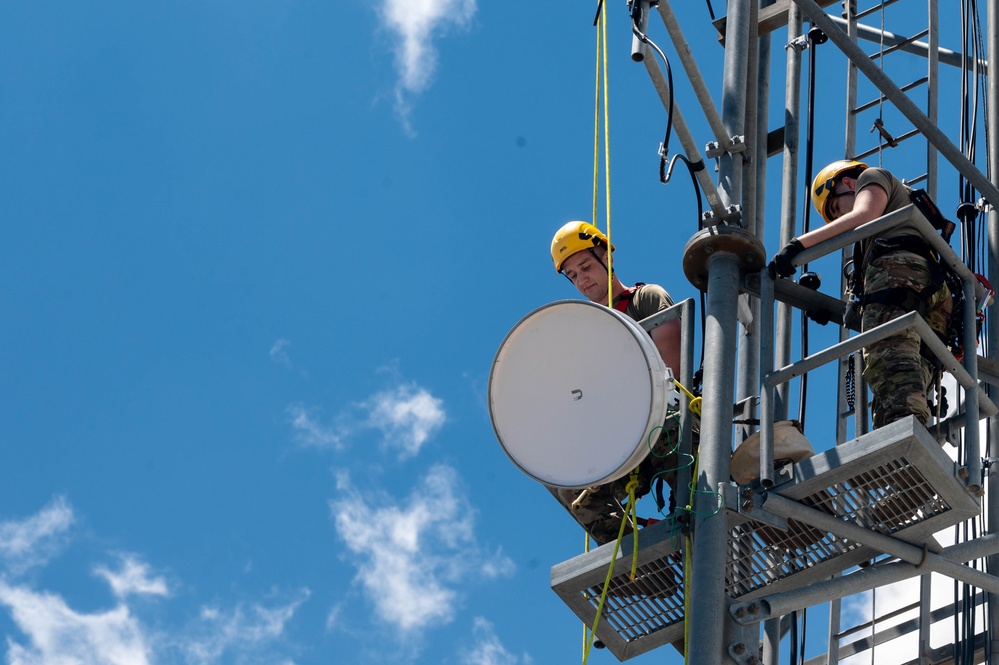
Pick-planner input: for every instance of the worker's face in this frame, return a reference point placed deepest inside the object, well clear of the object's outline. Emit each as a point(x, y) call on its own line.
point(588, 275)
point(841, 200)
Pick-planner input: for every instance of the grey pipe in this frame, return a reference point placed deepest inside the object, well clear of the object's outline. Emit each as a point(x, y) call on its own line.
point(694, 75)
point(993, 333)
point(710, 525)
point(946, 56)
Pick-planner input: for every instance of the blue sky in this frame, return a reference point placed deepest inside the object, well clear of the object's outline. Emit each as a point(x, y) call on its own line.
point(257, 258)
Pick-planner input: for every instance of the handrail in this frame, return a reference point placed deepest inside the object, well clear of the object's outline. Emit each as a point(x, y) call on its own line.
point(684, 311)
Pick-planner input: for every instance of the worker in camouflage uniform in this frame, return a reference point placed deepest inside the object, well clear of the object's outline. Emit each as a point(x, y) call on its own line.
point(898, 273)
point(579, 251)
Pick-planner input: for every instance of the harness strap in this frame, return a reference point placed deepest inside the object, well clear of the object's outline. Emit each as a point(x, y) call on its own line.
point(911, 244)
point(622, 301)
point(904, 298)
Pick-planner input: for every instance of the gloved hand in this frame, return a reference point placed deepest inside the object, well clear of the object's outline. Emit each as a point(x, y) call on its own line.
point(781, 265)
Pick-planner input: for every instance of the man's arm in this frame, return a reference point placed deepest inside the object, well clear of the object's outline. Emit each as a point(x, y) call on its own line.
point(869, 204)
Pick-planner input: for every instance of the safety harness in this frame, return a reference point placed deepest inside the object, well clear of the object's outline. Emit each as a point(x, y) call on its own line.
point(865, 252)
point(622, 301)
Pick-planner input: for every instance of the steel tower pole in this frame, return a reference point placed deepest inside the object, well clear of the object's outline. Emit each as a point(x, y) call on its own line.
point(992, 343)
point(709, 621)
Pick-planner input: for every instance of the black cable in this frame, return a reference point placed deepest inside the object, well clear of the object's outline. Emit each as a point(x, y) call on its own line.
point(804, 634)
point(815, 37)
point(600, 6)
point(664, 146)
point(664, 172)
point(793, 639)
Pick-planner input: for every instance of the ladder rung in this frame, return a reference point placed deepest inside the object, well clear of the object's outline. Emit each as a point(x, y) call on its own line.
point(875, 8)
point(898, 139)
point(882, 98)
point(905, 42)
point(883, 617)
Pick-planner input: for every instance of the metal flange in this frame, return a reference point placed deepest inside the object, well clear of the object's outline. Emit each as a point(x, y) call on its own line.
point(743, 245)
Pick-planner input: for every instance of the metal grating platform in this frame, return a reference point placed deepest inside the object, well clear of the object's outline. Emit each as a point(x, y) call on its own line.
point(896, 481)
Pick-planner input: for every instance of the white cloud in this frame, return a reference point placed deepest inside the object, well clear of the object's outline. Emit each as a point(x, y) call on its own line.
point(53, 633)
point(407, 416)
point(241, 629)
point(411, 556)
point(279, 354)
point(31, 542)
point(415, 24)
point(488, 650)
point(310, 432)
point(133, 579)
point(59, 635)
point(858, 609)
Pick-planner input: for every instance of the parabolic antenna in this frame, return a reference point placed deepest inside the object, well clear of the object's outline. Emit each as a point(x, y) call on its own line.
point(575, 391)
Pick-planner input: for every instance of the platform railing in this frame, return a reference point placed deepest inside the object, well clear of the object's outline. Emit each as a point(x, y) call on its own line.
point(976, 401)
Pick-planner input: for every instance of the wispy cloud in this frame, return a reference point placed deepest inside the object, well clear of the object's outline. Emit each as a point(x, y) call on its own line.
point(310, 432)
point(411, 556)
point(133, 579)
point(415, 25)
point(279, 352)
point(54, 633)
point(29, 543)
point(406, 415)
point(241, 630)
point(488, 650)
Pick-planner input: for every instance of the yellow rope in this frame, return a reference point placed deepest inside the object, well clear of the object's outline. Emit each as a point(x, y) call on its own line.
point(586, 629)
point(588, 634)
point(633, 516)
point(601, 89)
point(695, 402)
point(607, 197)
point(632, 485)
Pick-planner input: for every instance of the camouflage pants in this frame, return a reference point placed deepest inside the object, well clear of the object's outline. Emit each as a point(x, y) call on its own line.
point(600, 511)
point(899, 376)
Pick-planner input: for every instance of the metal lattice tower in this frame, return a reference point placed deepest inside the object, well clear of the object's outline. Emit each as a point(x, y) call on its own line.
point(796, 538)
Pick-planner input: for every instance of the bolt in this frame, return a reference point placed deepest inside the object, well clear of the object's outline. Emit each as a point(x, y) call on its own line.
point(747, 493)
point(752, 660)
point(754, 608)
point(963, 472)
point(747, 505)
point(740, 612)
point(709, 248)
point(739, 649)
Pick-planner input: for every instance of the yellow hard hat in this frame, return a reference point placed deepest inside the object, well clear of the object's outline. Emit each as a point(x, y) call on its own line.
point(825, 181)
point(575, 237)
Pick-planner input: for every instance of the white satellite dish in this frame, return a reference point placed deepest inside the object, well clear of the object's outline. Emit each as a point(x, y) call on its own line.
point(575, 392)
